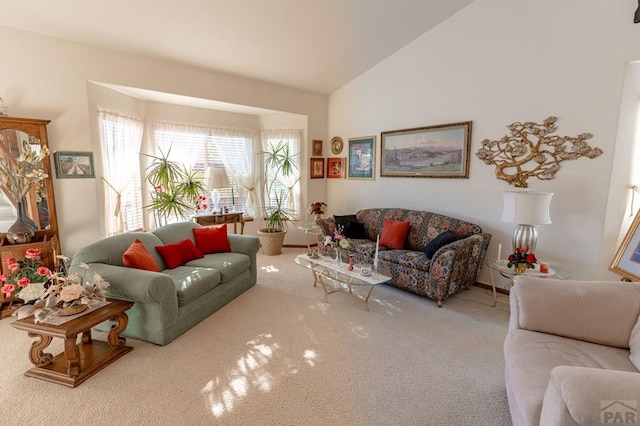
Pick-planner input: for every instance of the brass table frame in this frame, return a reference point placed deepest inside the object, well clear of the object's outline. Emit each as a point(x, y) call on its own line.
point(499, 267)
point(334, 278)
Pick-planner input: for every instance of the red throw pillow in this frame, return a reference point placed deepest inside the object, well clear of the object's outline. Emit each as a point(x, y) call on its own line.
point(177, 254)
point(137, 256)
point(212, 239)
point(394, 233)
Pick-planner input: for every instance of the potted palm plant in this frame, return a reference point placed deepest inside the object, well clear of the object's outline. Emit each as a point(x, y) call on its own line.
point(176, 189)
point(278, 162)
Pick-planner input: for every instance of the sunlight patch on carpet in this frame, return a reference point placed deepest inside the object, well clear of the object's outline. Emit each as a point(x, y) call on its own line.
point(257, 370)
point(269, 268)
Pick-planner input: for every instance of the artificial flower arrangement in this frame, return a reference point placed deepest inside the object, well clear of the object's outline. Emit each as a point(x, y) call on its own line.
point(522, 256)
point(317, 207)
point(201, 204)
point(47, 298)
point(23, 272)
point(337, 239)
point(17, 178)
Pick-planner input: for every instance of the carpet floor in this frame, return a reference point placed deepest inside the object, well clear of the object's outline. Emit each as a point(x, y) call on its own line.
point(278, 355)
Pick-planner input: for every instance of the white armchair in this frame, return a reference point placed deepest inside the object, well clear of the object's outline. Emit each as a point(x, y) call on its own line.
point(570, 352)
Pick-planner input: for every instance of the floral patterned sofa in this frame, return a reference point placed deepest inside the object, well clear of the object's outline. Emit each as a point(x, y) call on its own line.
point(453, 267)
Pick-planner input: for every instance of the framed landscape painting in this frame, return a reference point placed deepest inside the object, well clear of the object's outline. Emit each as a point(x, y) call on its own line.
point(626, 261)
point(440, 151)
point(74, 165)
point(362, 158)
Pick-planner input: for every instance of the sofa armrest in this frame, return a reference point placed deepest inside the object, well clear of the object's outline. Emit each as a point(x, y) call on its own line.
point(457, 264)
point(602, 312)
point(590, 396)
point(132, 284)
point(246, 244)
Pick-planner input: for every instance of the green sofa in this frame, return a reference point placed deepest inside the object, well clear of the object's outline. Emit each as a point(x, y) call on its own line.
point(169, 302)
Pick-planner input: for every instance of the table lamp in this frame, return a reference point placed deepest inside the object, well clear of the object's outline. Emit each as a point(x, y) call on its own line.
point(215, 178)
point(527, 209)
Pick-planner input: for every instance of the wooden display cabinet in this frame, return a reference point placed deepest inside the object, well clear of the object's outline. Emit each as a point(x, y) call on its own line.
point(40, 201)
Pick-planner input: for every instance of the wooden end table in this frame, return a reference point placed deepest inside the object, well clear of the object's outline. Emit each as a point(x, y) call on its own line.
point(79, 361)
point(217, 219)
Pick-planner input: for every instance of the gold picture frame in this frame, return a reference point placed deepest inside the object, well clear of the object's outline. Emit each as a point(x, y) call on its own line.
point(316, 148)
point(440, 151)
point(626, 261)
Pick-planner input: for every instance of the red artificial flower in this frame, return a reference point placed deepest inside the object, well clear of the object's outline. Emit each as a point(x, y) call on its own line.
point(10, 260)
point(14, 266)
point(32, 254)
point(43, 271)
point(531, 258)
point(23, 282)
point(7, 289)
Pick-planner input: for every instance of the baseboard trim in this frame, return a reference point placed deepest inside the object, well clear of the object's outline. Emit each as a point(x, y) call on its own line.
point(488, 287)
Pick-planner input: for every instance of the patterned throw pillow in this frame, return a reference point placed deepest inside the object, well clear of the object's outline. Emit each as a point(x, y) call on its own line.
point(138, 257)
point(177, 254)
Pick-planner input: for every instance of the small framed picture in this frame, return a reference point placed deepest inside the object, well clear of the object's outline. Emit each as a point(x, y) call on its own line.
point(626, 261)
point(316, 148)
point(335, 167)
point(74, 165)
point(317, 168)
point(362, 158)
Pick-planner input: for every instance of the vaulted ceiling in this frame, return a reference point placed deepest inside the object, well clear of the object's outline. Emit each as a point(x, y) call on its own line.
point(315, 45)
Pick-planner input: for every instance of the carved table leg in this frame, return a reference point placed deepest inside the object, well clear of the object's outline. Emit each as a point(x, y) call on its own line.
point(72, 354)
point(114, 338)
point(86, 337)
point(36, 354)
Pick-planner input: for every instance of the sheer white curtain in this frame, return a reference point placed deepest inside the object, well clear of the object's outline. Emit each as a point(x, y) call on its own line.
point(240, 164)
point(186, 141)
point(293, 137)
point(121, 137)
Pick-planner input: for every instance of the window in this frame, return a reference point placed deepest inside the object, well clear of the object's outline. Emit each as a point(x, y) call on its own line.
point(287, 186)
point(199, 147)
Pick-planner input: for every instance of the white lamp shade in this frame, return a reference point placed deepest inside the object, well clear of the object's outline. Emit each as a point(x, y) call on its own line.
point(216, 177)
point(527, 208)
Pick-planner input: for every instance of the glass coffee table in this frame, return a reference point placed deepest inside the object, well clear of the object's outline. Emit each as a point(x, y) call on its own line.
point(336, 278)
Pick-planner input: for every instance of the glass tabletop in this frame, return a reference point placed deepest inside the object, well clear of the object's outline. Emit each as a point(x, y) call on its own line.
point(308, 227)
point(327, 266)
point(555, 271)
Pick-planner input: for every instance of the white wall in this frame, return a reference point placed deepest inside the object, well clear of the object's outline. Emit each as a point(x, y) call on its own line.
point(47, 78)
point(494, 63)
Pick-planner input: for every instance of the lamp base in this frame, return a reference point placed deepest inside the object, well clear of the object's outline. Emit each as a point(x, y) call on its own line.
point(525, 236)
point(215, 201)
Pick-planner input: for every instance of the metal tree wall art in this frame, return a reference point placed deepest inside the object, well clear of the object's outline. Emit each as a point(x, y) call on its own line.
point(530, 150)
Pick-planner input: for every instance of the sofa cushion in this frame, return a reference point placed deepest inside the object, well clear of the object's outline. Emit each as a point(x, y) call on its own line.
point(177, 254)
point(192, 282)
point(137, 256)
point(443, 239)
point(634, 345)
point(394, 234)
point(212, 239)
point(530, 356)
point(230, 265)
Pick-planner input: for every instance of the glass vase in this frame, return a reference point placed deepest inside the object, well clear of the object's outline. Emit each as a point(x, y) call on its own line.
point(338, 256)
point(23, 229)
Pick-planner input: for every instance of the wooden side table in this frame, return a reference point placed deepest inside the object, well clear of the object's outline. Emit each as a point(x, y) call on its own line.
point(79, 361)
point(217, 219)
